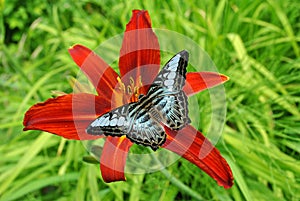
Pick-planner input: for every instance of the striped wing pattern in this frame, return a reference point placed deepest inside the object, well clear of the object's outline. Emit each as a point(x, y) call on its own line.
point(164, 104)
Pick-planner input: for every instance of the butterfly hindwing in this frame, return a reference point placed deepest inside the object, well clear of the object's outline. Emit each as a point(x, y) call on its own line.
point(173, 110)
point(146, 130)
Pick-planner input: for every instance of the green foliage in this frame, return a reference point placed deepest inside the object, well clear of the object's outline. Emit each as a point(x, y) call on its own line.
point(255, 43)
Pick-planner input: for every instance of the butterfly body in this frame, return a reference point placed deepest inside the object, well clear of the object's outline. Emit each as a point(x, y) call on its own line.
point(165, 104)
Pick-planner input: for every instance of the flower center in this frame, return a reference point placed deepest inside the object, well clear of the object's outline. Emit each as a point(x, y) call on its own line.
point(130, 92)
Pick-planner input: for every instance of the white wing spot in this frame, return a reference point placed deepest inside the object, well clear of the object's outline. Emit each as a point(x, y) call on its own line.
point(175, 60)
point(95, 123)
point(126, 124)
point(106, 121)
point(113, 122)
point(101, 121)
point(173, 68)
point(171, 75)
point(168, 82)
point(121, 121)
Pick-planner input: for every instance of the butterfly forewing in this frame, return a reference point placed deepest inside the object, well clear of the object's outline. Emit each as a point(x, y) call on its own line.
point(117, 122)
point(172, 76)
point(171, 101)
point(164, 104)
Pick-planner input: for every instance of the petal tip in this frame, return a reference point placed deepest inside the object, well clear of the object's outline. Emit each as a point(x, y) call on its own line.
point(140, 20)
point(74, 47)
point(79, 53)
point(224, 78)
point(229, 182)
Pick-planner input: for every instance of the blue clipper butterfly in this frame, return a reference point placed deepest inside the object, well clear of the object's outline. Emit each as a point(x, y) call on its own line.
point(164, 104)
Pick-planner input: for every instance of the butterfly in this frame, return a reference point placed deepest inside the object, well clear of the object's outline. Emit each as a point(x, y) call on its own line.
point(165, 104)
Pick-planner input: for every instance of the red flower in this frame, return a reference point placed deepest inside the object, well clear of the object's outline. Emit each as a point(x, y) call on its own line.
point(69, 115)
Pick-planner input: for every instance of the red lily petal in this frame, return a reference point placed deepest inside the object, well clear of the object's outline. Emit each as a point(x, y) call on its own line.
point(102, 76)
point(140, 53)
point(199, 81)
point(67, 116)
point(193, 146)
point(113, 158)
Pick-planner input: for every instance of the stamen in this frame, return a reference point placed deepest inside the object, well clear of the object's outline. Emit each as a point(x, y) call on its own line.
point(140, 80)
point(131, 80)
point(129, 91)
point(121, 87)
point(132, 88)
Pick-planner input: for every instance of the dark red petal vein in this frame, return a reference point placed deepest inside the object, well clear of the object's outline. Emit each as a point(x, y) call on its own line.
point(113, 158)
point(102, 76)
point(199, 81)
point(67, 116)
point(193, 146)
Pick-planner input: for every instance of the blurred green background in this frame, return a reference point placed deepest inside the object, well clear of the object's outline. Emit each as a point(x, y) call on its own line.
point(255, 43)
